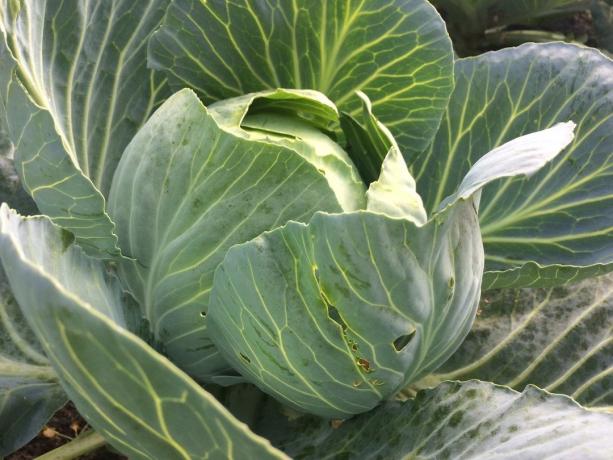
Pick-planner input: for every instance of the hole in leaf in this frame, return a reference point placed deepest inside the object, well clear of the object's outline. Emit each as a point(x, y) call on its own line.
point(401, 342)
point(364, 364)
point(335, 316)
point(247, 360)
point(203, 314)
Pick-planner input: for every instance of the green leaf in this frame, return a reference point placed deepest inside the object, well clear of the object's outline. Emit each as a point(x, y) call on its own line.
point(335, 316)
point(302, 120)
point(555, 226)
point(368, 140)
point(377, 155)
point(467, 420)
point(524, 155)
point(186, 190)
point(29, 389)
point(560, 339)
point(394, 193)
point(86, 65)
point(11, 190)
point(50, 177)
point(134, 397)
point(398, 53)
point(87, 91)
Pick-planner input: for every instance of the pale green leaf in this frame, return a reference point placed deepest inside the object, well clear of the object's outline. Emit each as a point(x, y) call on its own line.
point(186, 190)
point(302, 120)
point(524, 155)
point(557, 225)
point(49, 176)
point(85, 63)
point(29, 389)
point(394, 192)
point(377, 155)
point(134, 397)
point(398, 53)
point(470, 420)
point(87, 91)
point(334, 316)
point(560, 339)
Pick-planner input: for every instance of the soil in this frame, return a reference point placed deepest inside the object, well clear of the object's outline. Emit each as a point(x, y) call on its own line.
point(64, 426)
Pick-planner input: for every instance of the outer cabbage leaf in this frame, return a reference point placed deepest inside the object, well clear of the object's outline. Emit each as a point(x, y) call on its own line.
point(85, 63)
point(397, 52)
point(136, 399)
point(555, 226)
point(87, 91)
point(29, 389)
point(48, 175)
point(334, 316)
point(560, 339)
point(188, 188)
point(469, 420)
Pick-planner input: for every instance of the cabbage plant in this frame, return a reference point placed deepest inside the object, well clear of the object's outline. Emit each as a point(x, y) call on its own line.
point(262, 229)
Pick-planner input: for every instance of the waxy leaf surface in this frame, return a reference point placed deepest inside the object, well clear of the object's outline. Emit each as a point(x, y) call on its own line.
point(469, 420)
point(557, 225)
point(560, 339)
point(141, 403)
point(186, 190)
point(29, 389)
point(398, 53)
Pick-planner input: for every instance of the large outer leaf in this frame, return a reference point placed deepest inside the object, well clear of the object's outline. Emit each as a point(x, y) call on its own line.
point(185, 191)
point(557, 225)
point(84, 66)
point(335, 316)
point(47, 173)
point(397, 52)
point(470, 420)
point(29, 390)
point(560, 339)
point(85, 62)
point(140, 402)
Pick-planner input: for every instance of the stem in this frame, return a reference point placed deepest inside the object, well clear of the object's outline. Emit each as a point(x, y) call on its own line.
point(81, 445)
point(517, 37)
